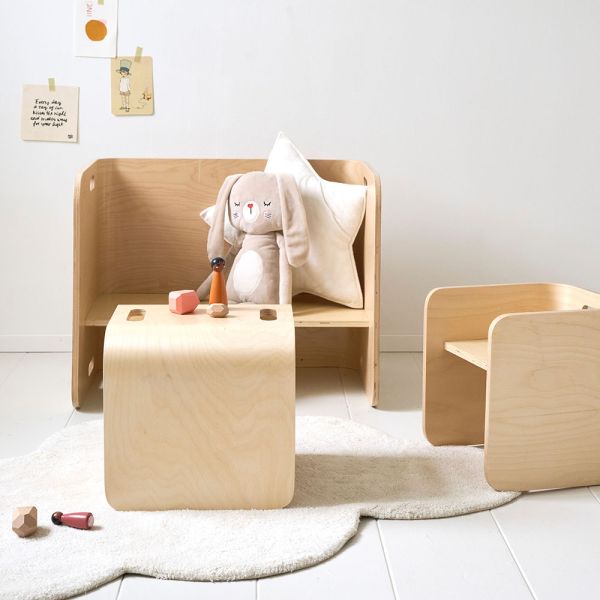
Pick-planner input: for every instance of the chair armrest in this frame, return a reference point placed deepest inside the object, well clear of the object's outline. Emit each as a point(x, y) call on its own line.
point(543, 400)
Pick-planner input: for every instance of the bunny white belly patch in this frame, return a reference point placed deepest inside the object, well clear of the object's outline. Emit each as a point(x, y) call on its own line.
point(248, 273)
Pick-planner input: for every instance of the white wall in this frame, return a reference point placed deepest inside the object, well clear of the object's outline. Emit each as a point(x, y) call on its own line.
point(482, 117)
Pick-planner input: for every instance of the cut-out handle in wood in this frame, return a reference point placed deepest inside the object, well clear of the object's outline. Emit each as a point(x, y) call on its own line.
point(268, 314)
point(136, 314)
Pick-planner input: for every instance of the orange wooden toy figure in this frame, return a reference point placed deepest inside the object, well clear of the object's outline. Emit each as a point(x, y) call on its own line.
point(217, 300)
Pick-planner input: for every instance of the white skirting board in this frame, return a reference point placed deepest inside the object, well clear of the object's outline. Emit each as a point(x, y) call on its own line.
point(35, 343)
point(62, 343)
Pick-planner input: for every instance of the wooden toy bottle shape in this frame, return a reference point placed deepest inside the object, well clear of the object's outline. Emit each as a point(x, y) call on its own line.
point(217, 299)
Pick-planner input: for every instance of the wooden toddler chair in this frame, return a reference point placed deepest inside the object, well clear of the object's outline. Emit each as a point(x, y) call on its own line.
point(517, 369)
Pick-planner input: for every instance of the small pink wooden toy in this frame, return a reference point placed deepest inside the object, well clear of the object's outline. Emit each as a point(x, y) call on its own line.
point(182, 302)
point(79, 520)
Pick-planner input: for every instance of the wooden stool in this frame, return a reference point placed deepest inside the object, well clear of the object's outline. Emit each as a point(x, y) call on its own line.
point(199, 412)
point(516, 368)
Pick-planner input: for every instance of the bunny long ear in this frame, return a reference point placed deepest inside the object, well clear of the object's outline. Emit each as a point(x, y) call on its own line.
point(293, 217)
point(216, 235)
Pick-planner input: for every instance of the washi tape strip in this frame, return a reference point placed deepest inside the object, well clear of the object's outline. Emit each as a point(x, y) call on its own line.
point(51, 84)
point(138, 54)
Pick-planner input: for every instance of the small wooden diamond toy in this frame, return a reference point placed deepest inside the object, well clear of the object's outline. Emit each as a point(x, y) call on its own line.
point(79, 520)
point(24, 520)
point(217, 300)
point(182, 302)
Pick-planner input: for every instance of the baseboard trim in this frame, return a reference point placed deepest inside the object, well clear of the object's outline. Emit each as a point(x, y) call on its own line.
point(401, 343)
point(35, 343)
point(62, 343)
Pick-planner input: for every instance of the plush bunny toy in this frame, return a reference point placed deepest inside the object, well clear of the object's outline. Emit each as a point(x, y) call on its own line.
point(267, 213)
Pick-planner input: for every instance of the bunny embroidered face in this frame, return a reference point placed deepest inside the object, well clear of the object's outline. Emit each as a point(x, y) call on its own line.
point(267, 212)
point(254, 204)
point(250, 211)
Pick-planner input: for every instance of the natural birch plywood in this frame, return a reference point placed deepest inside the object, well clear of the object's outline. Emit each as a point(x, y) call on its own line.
point(105, 305)
point(308, 310)
point(199, 412)
point(543, 401)
point(537, 408)
point(473, 351)
point(453, 389)
point(138, 235)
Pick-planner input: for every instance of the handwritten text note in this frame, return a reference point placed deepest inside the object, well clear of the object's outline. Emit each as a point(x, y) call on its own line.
point(50, 116)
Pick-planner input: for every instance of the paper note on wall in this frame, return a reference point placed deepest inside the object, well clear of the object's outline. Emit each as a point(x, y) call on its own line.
point(132, 89)
point(50, 116)
point(96, 28)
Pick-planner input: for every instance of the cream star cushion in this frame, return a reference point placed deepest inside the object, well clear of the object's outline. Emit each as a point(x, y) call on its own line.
point(334, 212)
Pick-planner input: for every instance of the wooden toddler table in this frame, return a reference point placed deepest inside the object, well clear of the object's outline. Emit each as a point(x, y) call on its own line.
point(199, 412)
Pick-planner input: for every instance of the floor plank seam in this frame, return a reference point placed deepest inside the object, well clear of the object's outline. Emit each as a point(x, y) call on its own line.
point(341, 378)
point(387, 562)
point(119, 588)
point(69, 419)
point(513, 555)
point(594, 495)
point(13, 369)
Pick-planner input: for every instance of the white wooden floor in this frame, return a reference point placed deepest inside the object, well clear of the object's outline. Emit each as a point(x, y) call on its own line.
point(543, 546)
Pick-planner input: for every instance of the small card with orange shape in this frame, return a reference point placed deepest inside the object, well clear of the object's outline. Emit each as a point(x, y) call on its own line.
point(96, 28)
point(132, 88)
point(50, 115)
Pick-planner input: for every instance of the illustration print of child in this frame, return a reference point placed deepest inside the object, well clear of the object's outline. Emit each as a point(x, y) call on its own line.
point(124, 84)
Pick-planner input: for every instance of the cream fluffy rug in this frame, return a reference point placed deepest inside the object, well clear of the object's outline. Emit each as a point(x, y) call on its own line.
point(344, 470)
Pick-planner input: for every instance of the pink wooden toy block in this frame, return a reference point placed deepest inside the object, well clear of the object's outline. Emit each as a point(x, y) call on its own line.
point(183, 301)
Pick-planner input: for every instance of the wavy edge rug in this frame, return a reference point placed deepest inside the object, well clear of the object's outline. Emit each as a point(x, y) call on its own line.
point(344, 470)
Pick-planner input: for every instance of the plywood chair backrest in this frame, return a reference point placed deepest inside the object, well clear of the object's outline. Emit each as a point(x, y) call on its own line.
point(151, 236)
point(568, 297)
point(153, 239)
